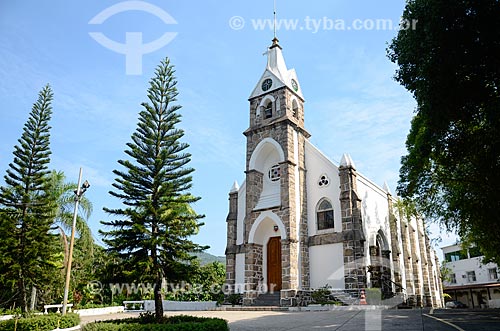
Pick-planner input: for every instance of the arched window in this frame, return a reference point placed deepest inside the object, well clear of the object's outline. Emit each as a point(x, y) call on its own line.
point(324, 215)
point(295, 108)
point(268, 110)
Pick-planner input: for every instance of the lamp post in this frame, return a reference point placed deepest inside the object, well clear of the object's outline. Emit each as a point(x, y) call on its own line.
point(81, 188)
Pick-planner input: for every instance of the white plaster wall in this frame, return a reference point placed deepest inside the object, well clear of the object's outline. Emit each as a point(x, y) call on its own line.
point(267, 154)
point(451, 248)
point(374, 210)
point(240, 272)
point(460, 268)
point(316, 165)
point(327, 266)
point(240, 220)
point(270, 195)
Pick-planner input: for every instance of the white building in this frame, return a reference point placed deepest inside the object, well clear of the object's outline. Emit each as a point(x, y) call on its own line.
point(469, 280)
point(300, 221)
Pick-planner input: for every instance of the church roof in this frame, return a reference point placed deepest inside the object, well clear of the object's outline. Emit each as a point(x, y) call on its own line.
point(277, 71)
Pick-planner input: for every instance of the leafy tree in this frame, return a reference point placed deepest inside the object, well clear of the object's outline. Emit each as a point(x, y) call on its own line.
point(27, 250)
point(450, 64)
point(213, 276)
point(445, 272)
point(152, 233)
point(205, 284)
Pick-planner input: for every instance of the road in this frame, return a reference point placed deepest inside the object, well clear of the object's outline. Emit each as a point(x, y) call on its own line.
point(350, 320)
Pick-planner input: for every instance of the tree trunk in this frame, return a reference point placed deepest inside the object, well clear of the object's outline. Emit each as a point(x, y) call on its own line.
point(33, 298)
point(158, 280)
point(158, 298)
point(64, 239)
point(23, 301)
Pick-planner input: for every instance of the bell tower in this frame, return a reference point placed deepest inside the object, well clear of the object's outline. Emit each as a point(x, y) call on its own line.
point(275, 225)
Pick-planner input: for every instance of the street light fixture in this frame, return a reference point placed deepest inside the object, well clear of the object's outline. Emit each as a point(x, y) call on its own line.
point(78, 194)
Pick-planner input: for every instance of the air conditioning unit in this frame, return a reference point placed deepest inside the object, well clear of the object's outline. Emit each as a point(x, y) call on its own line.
point(464, 276)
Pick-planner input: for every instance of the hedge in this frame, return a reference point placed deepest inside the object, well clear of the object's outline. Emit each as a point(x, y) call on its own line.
point(174, 323)
point(41, 322)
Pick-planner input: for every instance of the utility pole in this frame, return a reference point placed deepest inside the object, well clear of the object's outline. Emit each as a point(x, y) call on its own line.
point(78, 194)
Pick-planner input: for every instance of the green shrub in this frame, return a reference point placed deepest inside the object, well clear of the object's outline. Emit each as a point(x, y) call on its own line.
point(322, 296)
point(235, 299)
point(16, 311)
point(41, 322)
point(145, 323)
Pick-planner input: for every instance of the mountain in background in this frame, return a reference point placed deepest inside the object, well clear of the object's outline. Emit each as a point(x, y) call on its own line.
point(207, 258)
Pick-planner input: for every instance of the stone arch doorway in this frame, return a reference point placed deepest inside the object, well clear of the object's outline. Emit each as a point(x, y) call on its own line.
point(274, 266)
point(380, 267)
point(265, 238)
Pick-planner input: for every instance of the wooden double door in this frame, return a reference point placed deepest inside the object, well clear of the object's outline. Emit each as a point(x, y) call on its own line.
point(274, 269)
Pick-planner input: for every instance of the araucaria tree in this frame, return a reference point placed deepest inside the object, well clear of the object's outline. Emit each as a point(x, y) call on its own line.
point(153, 227)
point(451, 65)
point(27, 247)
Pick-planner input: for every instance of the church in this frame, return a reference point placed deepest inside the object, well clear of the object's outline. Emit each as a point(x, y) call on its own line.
point(300, 222)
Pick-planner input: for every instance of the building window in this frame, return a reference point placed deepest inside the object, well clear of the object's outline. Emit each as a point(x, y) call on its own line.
point(493, 275)
point(453, 279)
point(325, 215)
point(456, 256)
point(268, 110)
point(275, 173)
point(323, 181)
point(266, 84)
point(295, 108)
point(471, 276)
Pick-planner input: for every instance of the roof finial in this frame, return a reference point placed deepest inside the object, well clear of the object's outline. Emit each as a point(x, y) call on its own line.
point(275, 39)
point(275, 20)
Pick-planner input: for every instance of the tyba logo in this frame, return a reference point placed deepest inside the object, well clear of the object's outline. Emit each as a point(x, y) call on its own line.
point(133, 48)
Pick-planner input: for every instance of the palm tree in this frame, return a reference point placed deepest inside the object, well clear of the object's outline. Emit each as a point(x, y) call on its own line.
point(63, 198)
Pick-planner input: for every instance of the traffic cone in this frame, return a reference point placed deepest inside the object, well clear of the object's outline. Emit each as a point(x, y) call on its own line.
point(362, 300)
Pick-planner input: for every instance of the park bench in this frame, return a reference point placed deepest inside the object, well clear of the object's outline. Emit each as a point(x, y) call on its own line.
point(134, 304)
point(58, 306)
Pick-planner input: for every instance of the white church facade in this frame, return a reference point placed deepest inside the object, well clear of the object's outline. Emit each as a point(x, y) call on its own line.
point(299, 221)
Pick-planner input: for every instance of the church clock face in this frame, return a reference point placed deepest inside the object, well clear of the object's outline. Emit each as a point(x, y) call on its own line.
point(266, 84)
point(295, 85)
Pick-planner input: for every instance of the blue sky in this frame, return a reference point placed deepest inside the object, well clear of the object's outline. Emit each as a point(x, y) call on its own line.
point(353, 105)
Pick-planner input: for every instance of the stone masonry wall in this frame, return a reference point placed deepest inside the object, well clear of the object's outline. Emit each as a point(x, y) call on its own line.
point(354, 238)
point(395, 239)
point(303, 230)
point(253, 272)
point(281, 127)
point(231, 239)
point(415, 267)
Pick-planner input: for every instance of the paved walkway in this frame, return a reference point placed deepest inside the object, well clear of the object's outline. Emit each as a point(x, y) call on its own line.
point(347, 320)
point(358, 320)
